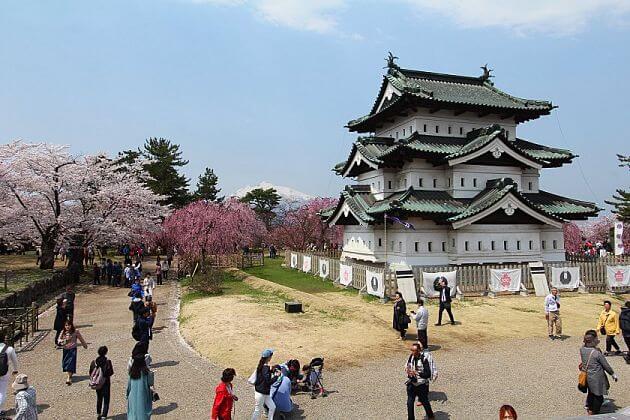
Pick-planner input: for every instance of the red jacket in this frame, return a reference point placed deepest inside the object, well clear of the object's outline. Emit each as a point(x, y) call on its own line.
point(223, 402)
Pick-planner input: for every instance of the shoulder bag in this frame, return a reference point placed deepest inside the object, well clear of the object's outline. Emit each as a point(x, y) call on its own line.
point(583, 376)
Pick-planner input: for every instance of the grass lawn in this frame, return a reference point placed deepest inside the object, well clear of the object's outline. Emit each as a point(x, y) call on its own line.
point(308, 283)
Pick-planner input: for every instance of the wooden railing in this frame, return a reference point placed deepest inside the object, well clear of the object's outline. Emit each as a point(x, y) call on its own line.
point(19, 324)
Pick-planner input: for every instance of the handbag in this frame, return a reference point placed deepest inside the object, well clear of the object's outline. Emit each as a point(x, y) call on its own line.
point(602, 329)
point(583, 376)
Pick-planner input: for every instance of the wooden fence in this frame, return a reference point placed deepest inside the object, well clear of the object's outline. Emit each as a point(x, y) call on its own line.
point(471, 279)
point(19, 324)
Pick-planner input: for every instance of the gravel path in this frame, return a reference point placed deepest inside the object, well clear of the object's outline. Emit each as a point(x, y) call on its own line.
point(536, 376)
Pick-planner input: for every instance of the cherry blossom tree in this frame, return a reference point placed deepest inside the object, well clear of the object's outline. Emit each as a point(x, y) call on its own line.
point(53, 198)
point(206, 228)
point(302, 226)
point(572, 237)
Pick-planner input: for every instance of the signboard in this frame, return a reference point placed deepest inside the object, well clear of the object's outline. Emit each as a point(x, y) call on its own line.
point(324, 268)
point(619, 238)
point(430, 282)
point(294, 261)
point(375, 283)
point(505, 280)
point(618, 276)
point(306, 264)
point(565, 277)
point(345, 274)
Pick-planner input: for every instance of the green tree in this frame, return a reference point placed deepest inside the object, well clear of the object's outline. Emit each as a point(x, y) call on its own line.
point(621, 200)
point(207, 187)
point(263, 202)
point(163, 160)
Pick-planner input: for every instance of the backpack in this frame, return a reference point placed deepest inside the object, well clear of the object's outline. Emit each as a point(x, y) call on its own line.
point(135, 332)
point(97, 378)
point(4, 361)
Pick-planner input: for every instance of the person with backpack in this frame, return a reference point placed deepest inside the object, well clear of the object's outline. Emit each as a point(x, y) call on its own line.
point(101, 370)
point(624, 324)
point(420, 369)
point(7, 354)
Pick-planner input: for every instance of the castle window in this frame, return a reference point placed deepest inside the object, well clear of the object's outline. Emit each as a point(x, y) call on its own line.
point(555, 244)
point(389, 185)
point(424, 128)
point(453, 243)
point(466, 245)
point(505, 245)
point(410, 129)
point(450, 129)
point(448, 183)
point(479, 245)
point(492, 245)
point(531, 245)
point(461, 130)
point(461, 181)
point(437, 129)
point(507, 134)
point(543, 244)
point(403, 132)
point(370, 244)
point(529, 186)
point(475, 182)
point(434, 183)
point(380, 242)
point(430, 246)
point(399, 246)
point(391, 248)
point(405, 182)
point(379, 185)
point(420, 182)
point(518, 245)
point(396, 134)
point(443, 246)
point(416, 246)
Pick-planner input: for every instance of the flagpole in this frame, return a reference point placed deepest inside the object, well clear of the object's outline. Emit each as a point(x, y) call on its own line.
point(385, 225)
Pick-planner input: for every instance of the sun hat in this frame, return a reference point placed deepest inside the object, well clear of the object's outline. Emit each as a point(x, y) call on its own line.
point(20, 383)
point(267, 353)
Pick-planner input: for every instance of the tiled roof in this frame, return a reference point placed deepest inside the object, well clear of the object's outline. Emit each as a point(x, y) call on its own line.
point(421, 88)
point(417, 201)
point(562, 206)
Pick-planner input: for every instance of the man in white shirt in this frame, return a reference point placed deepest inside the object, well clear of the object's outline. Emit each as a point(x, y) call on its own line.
point(552, 314)
point(417, 386)
point(422, 321)
point(7, 355)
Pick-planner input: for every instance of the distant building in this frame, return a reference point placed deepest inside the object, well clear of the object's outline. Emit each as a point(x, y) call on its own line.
point(441, 152)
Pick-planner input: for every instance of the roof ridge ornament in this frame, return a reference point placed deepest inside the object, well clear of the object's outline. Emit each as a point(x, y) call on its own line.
point(391, 62)
point(485, 77)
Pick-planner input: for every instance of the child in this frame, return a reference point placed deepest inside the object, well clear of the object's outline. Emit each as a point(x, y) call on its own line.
point(149, 285)
point(151, 305)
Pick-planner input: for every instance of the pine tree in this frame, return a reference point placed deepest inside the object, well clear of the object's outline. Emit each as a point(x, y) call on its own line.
point(621, 200)
point(263, 202)
point(207, 187)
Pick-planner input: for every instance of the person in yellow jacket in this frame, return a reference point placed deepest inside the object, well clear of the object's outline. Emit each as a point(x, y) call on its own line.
point(608, 325)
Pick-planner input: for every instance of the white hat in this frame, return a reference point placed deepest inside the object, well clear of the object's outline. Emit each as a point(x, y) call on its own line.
point(20, 383)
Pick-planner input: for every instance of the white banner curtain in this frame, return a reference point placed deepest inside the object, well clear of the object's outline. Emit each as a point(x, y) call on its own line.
point(565, 277)
point(505, 280)
point(294, 260)
point(375, 283)
point(306, 264)
point(618, 276)
point(324, 268)
point(430, 280)
point(619, 250)
point(345, 274)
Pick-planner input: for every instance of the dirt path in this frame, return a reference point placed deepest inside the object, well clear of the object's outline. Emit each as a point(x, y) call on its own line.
point(184, 381)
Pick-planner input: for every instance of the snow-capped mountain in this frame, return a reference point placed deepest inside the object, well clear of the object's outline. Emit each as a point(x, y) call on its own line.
point(288, 194)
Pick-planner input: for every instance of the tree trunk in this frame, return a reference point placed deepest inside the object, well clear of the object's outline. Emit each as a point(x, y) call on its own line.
point(47, 260)
point(75, 257)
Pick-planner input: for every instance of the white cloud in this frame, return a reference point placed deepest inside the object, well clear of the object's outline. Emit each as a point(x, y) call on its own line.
point(312, 15)
point(560, 17)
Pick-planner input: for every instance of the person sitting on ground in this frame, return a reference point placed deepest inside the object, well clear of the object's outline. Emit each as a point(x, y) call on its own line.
point(224, 397)
point(281, 392)
point(25, 399)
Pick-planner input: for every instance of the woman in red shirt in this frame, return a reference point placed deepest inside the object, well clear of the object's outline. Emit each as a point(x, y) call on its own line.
point(224, 397)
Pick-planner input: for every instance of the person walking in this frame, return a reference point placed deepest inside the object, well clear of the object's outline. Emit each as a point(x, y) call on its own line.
point(136, 306)
point(166, 265)
point(96, 274)
point(60, 318)
point(144, 324)
point(224, 397)
point(594, 364)
point(422, 321)
point(158, 272)
point(420, 369)
point(101, 370)
point(7, 356)
point(624, 324)
point(401, 319)
point(69, 296)
point(25, 399)
point(608, 325)
point(262, 385)
point(552, 314)
point(140, 385)
point(445, 302)
point(148, 285)
point(68, 341)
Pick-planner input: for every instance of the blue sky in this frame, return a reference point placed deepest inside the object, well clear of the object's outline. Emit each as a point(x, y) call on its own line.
point(262, 89)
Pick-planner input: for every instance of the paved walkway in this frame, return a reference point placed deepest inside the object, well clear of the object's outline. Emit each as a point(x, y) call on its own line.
point(184, 380)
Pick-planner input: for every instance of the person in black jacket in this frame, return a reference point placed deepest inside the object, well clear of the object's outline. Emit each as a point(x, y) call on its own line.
point(262, 385)
point(624, 324)
point(401, 319)
point(136, 306)
point(60, 318)
point(103, 393)
point(445, 302)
